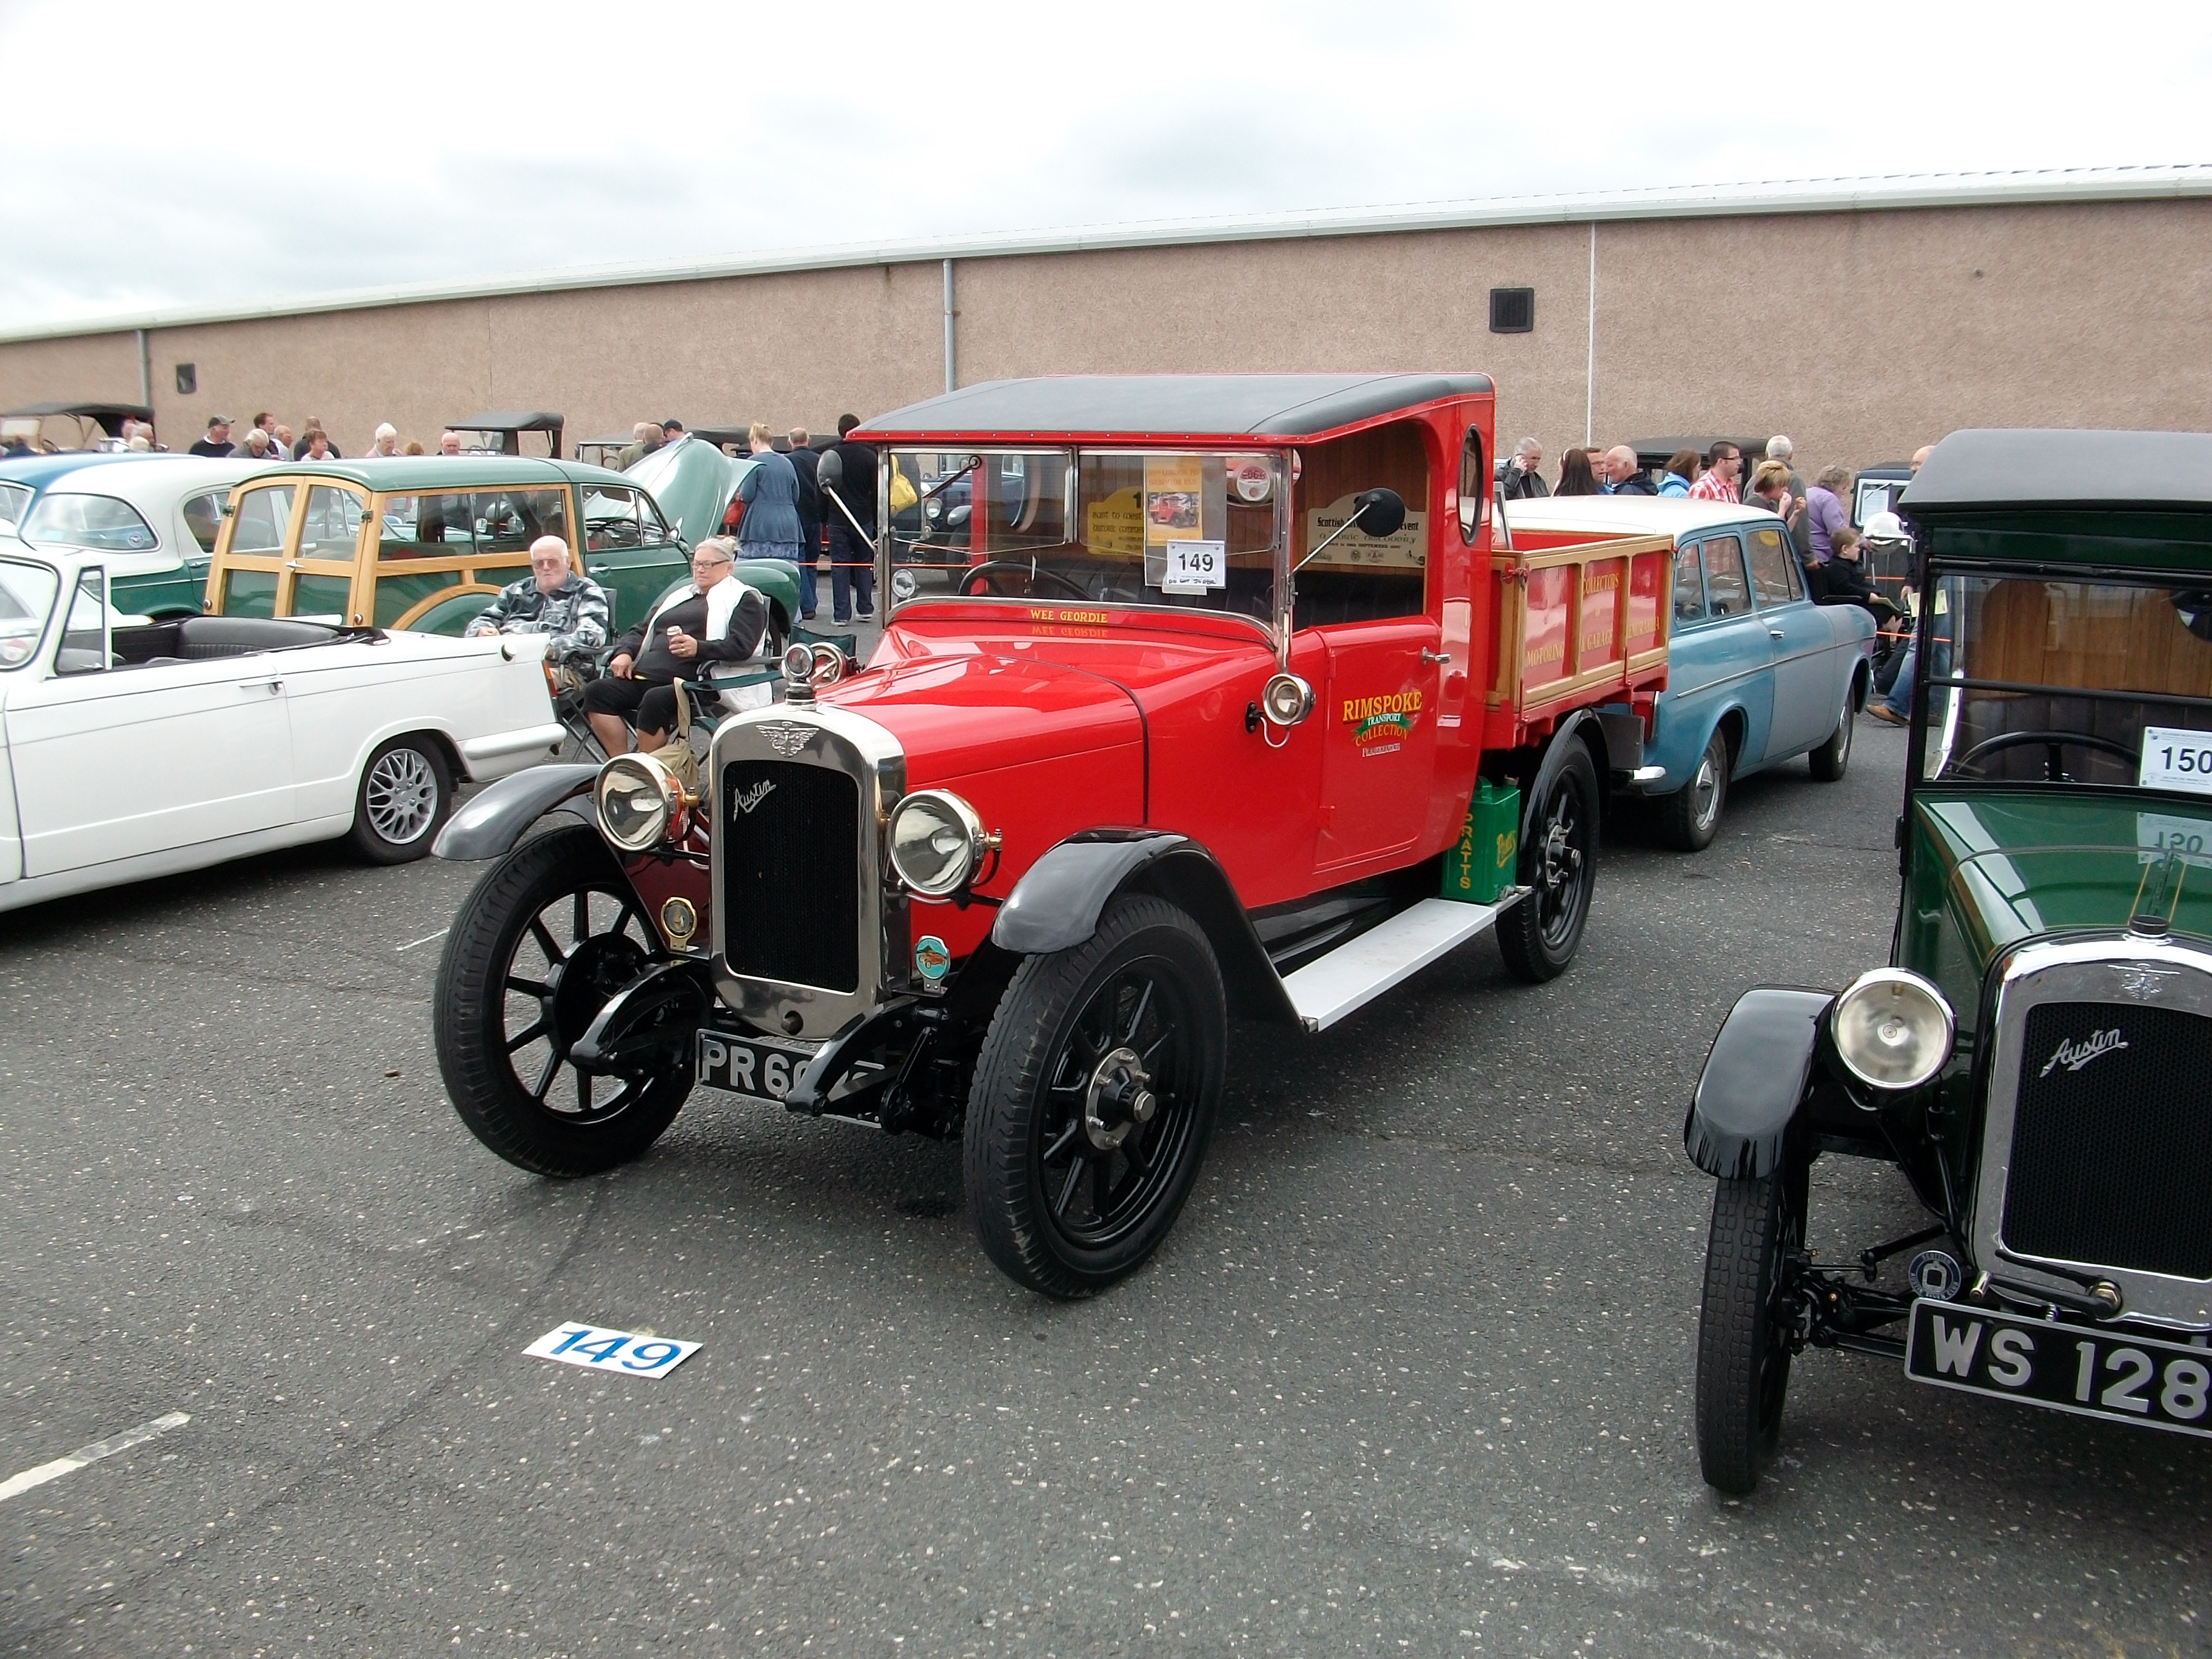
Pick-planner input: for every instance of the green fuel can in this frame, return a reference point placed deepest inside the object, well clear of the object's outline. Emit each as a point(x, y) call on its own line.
point(1482, 864)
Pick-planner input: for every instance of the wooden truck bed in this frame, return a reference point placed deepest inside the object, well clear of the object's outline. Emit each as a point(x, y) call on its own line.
point(1581, 621)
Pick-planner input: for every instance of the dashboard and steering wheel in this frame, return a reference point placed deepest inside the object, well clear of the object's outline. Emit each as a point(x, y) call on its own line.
point(973, 581)
point(2050, 743)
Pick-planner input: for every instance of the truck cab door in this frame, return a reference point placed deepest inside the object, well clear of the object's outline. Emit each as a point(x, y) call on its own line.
point(1366, 601)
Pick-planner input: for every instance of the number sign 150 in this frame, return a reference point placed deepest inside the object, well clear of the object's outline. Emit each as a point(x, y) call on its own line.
point(2174, 758)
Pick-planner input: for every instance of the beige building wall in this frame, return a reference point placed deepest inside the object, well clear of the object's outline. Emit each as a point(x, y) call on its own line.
point(1861, 334)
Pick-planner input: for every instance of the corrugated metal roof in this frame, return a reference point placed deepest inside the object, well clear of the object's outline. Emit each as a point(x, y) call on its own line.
point(1839, 195)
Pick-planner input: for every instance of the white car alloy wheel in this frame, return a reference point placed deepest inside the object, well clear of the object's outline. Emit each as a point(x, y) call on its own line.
point(406, 790)
point(402, 796)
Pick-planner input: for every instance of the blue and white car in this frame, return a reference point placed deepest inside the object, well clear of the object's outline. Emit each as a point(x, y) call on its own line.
point(1756, 672)
point(153, 518)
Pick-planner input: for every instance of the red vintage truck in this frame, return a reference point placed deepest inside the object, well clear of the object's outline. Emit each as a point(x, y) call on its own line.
point(1199, 695)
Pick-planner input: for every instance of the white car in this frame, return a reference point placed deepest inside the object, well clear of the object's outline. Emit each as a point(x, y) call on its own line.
point(152, 517)
point(131, 749)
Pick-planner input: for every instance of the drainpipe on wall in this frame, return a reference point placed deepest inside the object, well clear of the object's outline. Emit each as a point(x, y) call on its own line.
point(952, 377)
point(145, 370)
point(1589, 359)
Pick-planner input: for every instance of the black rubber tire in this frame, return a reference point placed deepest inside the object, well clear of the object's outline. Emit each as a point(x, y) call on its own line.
point(470, 1012)
point(1831, 759)
point(1743, 1357)
point(1538, 936)
point(1691, 816)
point(408, 766)
point(1013, 1105)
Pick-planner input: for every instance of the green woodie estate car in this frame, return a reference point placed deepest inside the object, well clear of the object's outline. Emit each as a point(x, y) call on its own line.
point(2037, 1057)
point(423, 542)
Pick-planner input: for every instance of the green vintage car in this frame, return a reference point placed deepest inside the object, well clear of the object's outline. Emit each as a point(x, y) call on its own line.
point(423, 542)
point(2037, 1055)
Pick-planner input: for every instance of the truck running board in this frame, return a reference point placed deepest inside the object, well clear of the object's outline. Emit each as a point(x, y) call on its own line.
point(1353, 975)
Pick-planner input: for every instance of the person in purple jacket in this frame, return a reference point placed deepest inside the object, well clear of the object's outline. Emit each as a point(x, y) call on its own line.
point(1825, 514)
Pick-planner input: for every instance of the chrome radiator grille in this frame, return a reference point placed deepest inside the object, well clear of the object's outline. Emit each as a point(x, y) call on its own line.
point(792, 864)
point(807, 933)
point(2110, 1160)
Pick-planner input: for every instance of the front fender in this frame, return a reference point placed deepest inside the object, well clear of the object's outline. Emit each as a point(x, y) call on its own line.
point(491, 822)
point(1755, 1082)
point(1057, 903)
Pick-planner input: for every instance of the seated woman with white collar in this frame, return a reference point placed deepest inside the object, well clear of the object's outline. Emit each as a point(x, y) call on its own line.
point(712, 618)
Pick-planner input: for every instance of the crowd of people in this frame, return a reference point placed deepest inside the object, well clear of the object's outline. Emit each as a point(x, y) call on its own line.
point(1817, 514)
point(265, 440)
point(800, 501)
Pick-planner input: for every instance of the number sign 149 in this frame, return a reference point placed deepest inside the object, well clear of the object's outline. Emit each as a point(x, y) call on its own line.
point(601, 1350)
point(2174, 758)
point(1196, 567)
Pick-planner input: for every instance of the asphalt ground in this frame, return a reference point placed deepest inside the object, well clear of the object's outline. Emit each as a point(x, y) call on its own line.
point(1412, 1374)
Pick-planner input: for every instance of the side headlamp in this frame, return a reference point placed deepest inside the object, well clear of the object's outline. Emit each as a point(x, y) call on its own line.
point(637, 798)
point(1287, 698)
point(936, 842)
point(1892, 1029)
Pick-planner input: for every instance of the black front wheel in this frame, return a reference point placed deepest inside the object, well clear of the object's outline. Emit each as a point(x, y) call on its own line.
point(1539, 935)
point(1094, 1099)
point(542, 943)
point(1743, 1328)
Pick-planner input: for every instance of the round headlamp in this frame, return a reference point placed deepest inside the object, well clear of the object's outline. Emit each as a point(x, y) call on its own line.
point(1892, 1029)
point(936, 841)
point(1286, 699)
point(637, 798)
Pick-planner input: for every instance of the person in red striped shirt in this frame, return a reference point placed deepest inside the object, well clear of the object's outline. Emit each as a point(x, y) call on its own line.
point(1723, 471)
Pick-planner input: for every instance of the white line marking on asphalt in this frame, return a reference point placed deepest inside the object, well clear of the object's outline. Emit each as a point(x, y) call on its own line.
point(425, 939)
point(17, 1484)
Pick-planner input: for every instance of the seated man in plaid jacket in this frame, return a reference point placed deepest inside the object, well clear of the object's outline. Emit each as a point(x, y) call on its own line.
point(555, 600)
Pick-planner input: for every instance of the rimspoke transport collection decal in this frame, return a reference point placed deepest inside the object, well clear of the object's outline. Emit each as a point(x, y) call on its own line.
point(1380, 724)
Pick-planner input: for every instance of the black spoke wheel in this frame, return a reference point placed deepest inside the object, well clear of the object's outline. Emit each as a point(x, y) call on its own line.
point(542, 945)
point(1538, 935)
point(1691, 816)
point(1744, 1326)
point(1094, 1099)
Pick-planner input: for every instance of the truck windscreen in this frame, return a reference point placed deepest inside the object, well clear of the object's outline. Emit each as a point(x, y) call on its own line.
point(1185, 529)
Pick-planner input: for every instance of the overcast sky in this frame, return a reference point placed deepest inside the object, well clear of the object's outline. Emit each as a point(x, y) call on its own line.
point(168, 154)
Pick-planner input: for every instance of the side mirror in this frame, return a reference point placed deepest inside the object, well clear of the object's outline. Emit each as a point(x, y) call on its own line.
point(1379, 513)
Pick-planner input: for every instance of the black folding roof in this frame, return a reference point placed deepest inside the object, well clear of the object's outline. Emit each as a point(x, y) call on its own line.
point(512, 420)
point(93, 411)
point(2024, 467)
point(1218, 405)
point(1657, 452)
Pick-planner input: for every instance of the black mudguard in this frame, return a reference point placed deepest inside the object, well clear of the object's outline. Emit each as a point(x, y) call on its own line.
point(1057, 903)
point(1756, 1081)
point(1584, 726)
point(488, 823)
